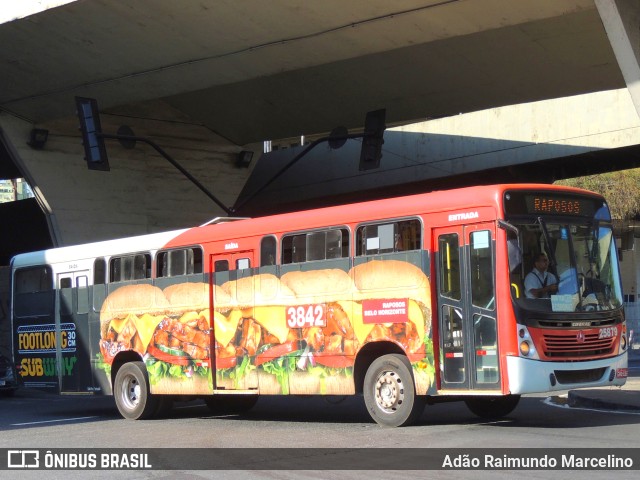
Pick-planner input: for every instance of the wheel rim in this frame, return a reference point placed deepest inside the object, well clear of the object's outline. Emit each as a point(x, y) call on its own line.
point(389, 392)
point(130, 392)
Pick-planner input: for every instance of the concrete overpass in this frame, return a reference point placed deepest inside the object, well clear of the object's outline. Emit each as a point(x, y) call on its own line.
point(209, 79)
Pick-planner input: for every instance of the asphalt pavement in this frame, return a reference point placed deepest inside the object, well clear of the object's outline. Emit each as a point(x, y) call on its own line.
point(625, 398)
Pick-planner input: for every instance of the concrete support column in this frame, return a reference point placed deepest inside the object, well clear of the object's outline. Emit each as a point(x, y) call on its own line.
point(621, 19)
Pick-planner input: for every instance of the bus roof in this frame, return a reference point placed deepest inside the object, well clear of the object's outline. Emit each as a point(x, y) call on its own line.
point(442, 200)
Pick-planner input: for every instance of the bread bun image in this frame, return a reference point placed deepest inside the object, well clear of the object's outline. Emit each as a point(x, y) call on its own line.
point(169, 329)
point(132, 300)
point(253, 332)
point(326, 331)
point(391, 278)
point(396, 304)
point(270, 384)
point(128, 318)
point(334, 383)
point(188, 296)
point(320, 286)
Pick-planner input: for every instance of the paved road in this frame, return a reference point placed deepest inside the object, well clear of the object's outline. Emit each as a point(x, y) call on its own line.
point(37, 420)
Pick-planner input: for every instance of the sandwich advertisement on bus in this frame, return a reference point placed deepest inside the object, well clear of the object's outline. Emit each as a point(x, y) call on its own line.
point(298, 333)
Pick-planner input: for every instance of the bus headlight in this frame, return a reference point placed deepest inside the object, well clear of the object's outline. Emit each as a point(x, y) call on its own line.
point(623, 339)
point(526, 345)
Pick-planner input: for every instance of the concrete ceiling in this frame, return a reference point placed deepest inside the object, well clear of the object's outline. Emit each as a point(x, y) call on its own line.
point(253, 70)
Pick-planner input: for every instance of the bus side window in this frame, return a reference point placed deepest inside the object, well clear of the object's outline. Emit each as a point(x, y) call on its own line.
point(299, 248)
point(30, 280)
point(481, 269)
point(130, 267)
point(314, 246)
point(99, 271)
point(221, 266)
point(221, 272)
point(33, 292)
point(399, 236)
point(449, 267)
point(184, 261)
point(268, 246)
point(141, 267)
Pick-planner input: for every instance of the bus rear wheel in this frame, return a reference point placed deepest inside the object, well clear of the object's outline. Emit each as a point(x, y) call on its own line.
point(132, 394)
point(389, 392)
point(492, 407)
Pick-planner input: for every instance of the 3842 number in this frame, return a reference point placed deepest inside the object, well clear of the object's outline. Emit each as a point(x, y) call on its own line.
point(306, 316)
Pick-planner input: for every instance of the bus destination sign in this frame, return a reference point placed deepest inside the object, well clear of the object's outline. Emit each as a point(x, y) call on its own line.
point(547, 203)
point(555, 206)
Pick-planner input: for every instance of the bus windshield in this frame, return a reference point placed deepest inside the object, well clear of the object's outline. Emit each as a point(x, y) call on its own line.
point(582, 258)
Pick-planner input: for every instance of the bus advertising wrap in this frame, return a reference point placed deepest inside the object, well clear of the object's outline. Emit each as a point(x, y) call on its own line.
point(297, 334)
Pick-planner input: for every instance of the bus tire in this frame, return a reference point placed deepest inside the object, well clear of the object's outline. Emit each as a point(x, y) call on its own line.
point(225, 404)
point(132, 394)
point(492, 407)
point(389, 392)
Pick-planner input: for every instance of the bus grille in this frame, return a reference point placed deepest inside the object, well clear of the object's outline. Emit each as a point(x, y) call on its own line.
point(567, 345)
point(579, 376)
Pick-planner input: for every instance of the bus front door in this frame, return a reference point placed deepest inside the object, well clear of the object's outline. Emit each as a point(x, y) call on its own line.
point(466, 307)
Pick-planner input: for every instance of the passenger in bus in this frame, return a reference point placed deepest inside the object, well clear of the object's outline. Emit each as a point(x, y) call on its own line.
point(539, 283)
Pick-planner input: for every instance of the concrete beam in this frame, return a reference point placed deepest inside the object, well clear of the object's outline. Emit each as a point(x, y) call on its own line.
point(142, 193)
point(621, 19)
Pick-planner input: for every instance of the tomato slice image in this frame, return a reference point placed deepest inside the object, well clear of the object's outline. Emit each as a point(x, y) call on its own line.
point(226, 362)
point(167, 357)
point(275, 352)
point(333, 360)
point(416, 356)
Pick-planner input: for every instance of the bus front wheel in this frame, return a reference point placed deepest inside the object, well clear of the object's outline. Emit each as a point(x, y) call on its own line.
point(131, 392)
point(389, 392)
point(492, 407)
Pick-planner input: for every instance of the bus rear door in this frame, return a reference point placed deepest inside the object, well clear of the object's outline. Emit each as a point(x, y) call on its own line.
point(73, 358)
point(229, 267)
point(467, 307)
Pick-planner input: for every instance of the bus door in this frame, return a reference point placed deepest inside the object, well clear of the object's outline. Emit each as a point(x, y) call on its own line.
point(229, 267)
point(466, 307)
point(73, 358)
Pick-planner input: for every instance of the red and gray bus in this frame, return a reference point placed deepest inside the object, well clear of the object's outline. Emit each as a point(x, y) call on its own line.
point(405, 301)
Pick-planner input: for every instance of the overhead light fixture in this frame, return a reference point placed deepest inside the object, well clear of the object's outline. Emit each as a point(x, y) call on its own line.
point(243, 159)
point(95, 152)
point(37, 138)
point(371, 152)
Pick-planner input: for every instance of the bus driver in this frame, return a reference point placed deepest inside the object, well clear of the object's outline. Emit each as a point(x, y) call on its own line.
point(539, 283)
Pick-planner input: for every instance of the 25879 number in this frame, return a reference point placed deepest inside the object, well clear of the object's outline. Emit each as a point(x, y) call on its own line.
point(307, 316)
point(608, 332)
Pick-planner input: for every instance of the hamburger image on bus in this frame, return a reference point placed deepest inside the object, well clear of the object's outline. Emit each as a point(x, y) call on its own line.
point(376, 301)
point(262, 334)
point(297, 334)
point(327, 336)
point(395, 306)
point(125, 316)
point(169, 330)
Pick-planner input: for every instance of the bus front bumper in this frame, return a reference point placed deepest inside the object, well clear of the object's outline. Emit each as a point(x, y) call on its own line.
point(535, 376)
